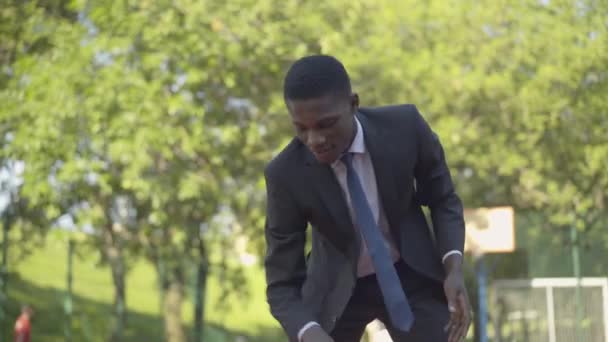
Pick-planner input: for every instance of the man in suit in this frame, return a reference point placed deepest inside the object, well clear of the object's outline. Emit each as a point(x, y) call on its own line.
point(359, 177)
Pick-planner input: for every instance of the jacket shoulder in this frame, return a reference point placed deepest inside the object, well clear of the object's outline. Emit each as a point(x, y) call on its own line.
point(396, 112)
point(403, 117)
point(288, 157)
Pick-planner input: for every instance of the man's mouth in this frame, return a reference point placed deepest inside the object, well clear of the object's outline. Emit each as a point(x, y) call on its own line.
point(321, 151)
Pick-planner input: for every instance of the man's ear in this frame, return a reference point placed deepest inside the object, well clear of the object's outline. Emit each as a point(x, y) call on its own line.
point(354, 101)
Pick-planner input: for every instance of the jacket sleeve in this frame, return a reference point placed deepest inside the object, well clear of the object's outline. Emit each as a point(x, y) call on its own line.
point(434, 189)
point(284, 261)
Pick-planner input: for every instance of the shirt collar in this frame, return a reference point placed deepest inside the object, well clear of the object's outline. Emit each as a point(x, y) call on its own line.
point(358, 144)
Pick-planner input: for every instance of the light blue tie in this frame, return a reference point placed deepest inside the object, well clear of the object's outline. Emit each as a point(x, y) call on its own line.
point(395, 300)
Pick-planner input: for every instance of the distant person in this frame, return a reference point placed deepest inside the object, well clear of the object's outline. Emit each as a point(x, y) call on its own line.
point(23, 326)
point(359, 177)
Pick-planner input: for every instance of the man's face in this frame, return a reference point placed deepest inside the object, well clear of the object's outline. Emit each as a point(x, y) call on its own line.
point(324, 124)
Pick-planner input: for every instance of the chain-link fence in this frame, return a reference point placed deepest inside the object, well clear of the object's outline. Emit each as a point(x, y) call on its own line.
point(550, 309)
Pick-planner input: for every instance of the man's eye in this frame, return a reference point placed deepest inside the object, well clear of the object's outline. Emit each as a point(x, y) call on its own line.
point(327, 124)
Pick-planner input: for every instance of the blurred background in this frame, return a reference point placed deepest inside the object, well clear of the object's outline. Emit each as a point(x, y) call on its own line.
point(133, 135)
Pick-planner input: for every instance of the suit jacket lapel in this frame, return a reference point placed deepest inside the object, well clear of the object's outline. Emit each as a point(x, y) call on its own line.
point(331, 196)
point(381, 154)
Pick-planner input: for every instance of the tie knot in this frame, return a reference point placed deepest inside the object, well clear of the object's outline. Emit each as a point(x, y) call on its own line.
point(347, 159)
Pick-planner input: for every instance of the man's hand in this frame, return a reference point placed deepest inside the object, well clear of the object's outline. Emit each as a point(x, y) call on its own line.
point(316, 334)
point(458, 301)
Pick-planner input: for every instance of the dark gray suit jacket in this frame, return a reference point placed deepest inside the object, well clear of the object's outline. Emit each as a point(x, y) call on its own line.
point(410, 171)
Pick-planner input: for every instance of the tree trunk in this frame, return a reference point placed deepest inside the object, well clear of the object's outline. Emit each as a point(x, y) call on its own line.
point(120, 312)
point(174, 296)
point(162, 282)
point(115, 258)
point(200, 291)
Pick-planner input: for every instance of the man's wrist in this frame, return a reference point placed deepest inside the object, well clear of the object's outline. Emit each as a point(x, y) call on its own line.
point(305, 328)
point(452, 262)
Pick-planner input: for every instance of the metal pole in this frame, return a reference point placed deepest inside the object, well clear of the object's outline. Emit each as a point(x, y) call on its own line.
point(4, 267)
point(4, 270)
point(576, 265)
point(482, 295)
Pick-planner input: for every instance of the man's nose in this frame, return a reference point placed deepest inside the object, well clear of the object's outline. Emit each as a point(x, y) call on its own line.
point(315, 138)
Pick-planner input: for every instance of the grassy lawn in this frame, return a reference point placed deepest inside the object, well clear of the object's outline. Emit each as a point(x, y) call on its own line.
point(40, 280)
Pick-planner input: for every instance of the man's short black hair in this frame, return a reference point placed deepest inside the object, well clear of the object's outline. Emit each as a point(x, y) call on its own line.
point(316, 76)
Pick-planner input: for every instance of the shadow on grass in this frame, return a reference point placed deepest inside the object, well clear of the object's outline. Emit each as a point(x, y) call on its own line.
point(91, 320)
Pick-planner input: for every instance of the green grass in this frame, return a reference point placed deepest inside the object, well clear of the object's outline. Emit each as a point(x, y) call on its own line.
point(40, 280)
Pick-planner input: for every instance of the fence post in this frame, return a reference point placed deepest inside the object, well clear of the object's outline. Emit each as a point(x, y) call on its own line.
point(605, 298)
point(550, 313)
point(576, 266)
